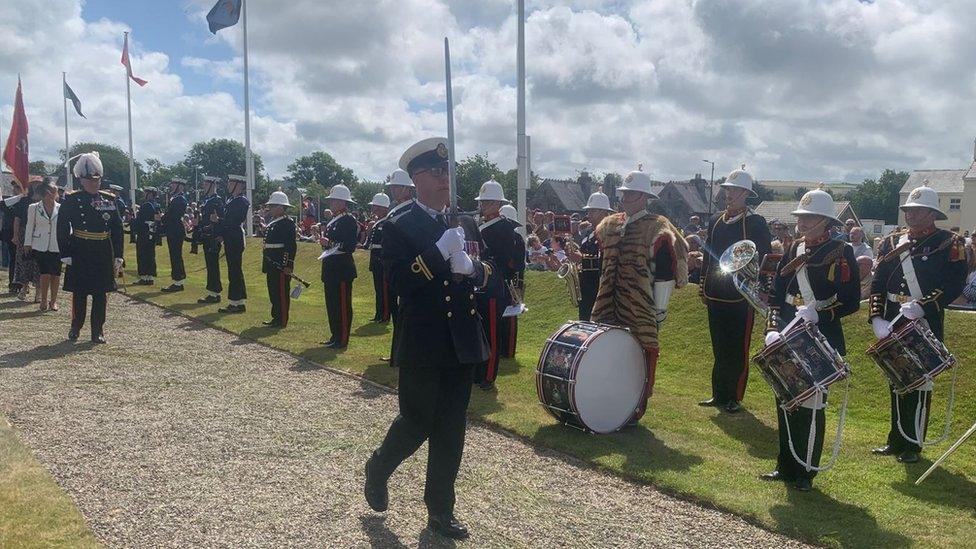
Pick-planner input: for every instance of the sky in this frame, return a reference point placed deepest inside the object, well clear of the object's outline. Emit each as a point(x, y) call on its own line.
point(833, 90)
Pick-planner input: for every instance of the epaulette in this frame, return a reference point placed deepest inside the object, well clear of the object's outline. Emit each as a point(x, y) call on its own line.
point(107, 193)
point(833, 255)
point(71, 193)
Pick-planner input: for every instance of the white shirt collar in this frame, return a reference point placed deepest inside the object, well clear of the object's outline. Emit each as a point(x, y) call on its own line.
point(431, 211)
point(275, 220)
point(401, 206)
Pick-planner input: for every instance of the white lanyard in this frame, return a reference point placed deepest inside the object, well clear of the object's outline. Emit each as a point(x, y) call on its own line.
point(908, 269)
point(803, 279)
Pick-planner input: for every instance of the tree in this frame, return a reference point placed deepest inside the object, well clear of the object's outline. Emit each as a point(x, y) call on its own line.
point(763, 193)
point(363, 193)
point(799, 192)
point(37, 167)
point(115, 163)
point(879, 199)
point(472, 173)
point(218, 157)
point(321, 168)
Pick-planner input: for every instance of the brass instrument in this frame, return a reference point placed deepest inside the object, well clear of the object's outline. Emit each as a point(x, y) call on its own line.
point(569, 272)
point(741, 261)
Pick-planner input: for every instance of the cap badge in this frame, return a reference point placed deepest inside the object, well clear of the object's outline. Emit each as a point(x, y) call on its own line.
point(915, 194)
point(806, 200)
point(442, 150)
point(629, 178)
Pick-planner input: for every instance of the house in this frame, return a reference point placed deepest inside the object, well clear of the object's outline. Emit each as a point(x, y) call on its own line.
point(777, 209)
point(957, 194)
point(788, 189)
point(679, 200)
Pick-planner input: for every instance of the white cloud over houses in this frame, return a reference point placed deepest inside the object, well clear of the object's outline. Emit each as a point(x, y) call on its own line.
point(831, 89)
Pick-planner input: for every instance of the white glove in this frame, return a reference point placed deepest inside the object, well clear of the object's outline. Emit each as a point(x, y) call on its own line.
point(66, 260)
point(881, 327)
point(461, 264)
point(771, 338)
point(912, 310)
point(118, 262)
point(451, 242)
point(808, 313)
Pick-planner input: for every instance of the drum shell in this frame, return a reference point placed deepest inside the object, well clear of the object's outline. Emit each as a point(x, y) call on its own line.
point(910, 356)
point(799, 363)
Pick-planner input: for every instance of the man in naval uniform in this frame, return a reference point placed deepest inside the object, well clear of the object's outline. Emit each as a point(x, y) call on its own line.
point(379, 208)
point(175, 232)
point(278, 261)
point(496, 233)
point(230, 228)
point(145, 227)
point(591, 263)
point(339, 240)
point(206, 234)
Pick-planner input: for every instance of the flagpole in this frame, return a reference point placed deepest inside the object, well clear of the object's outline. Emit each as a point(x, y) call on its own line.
point(522, 158)
point(248, 159)
point(67, 152)
point(132, 162)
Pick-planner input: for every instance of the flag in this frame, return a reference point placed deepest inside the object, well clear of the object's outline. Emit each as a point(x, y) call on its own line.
point(15, 153)
point(69, 94)
point(128, 66)
point(225, 13)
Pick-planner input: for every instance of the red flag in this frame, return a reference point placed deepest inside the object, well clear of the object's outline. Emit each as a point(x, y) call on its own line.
point(128, 65)
point(15, 154)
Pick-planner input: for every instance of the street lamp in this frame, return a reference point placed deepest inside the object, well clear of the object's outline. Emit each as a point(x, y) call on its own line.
point(711, 183)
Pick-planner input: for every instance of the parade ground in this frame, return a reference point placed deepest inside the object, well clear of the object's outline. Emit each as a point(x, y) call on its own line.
point(194, 428)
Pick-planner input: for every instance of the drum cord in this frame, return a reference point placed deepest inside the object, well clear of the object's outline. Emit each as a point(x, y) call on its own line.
point(835, 451)
point(920, 419)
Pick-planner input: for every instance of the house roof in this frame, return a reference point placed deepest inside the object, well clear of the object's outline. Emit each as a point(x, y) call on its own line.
point(942, 181)
point(569, 193)
point(780, 209)
point(689, 194)
point(971, 174)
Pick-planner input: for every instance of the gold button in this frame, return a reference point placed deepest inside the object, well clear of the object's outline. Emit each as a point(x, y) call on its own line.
point(448, 298)
point(472, 311)
point(449, 314)
point(445, 283)
point(471, 296)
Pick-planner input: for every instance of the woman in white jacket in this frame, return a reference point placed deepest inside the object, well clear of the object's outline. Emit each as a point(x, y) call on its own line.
point(41, 240)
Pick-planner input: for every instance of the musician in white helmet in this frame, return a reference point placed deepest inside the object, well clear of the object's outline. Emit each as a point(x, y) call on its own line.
point(514, 274)
point(921, 270)
point(379, 208)
point(339, 240)
point(597, 208)
point(730, 317)
point(644, 260)
point(278, 260)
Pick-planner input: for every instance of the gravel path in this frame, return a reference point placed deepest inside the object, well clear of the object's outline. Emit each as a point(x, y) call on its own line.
point(178, 435)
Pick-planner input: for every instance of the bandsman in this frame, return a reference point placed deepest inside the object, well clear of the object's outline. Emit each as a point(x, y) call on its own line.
point(280, 247)
point(499, 247)
point(145, 229)
point(591, 262)
point(90, 240)
point(730, 317)
point(816, 280)
point(514, 275)
point(230, 227)
point(920, 271)
point(339, 240)
point(401, 190)
point(206, 234)
point(644, 260)
point(175, 232)
point(379, 208)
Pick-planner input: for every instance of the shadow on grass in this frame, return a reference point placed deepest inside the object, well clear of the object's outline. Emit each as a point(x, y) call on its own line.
point(22, 359)
point(256, 333)
point(374, 526)
point(382, 373)
point(942, 488)
point(642, 451)
point(371, 329)
point(22, 314)
point(485, 402)
point(190, 306)
point(760, 439)
point(847, 525)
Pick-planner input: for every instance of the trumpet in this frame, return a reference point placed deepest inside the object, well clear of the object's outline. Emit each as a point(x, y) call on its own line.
point(569, 272)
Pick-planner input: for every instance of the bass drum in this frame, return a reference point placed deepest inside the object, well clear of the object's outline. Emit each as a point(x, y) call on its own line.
point(591, 376)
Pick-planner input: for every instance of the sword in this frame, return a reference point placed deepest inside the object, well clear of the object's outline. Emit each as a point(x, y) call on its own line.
point(951, 449)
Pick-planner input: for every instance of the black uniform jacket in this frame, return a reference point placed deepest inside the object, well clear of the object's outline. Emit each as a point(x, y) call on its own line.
point(939, 258)
point(591, 264)
point(213, 204)
point(231, 224)
point(173, 218)
point(90, 233)
point(374, 243)
point(342, 231)
point(835, 281)
point(144, 219)
point(439, 325)
point(503, 250)
point(717, 287)
point(279, 245)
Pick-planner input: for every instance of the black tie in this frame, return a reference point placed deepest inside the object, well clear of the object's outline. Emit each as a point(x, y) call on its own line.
point(442, 220)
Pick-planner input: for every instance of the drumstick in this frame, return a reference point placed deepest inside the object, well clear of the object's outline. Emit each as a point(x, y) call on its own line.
point(951, 449)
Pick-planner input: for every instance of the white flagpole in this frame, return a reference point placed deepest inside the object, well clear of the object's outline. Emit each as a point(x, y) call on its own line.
point(452, 176)
point(67, 152)
point(522, 159)
point(248, 159)
point(132, 162)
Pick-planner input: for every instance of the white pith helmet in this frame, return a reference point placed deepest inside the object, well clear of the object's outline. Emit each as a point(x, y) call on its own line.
point(924, 197)
point(598, 201)
point(742, 179)
point(638, 181)
point(400, 177)
point(278, 198)
point(491, 190)
point(817, 202)
point(340, 192)
point(381, 200)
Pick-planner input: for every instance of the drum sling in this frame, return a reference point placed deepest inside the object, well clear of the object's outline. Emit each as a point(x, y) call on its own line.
point(835, 451)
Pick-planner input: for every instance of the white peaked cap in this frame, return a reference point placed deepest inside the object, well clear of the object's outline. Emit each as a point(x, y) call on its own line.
point(380, 199)
point(88, 166)
point(278, 198)
point(598, 201)
point(400, 177)
point(491, 190)
point(924, 197)
point(340, 192)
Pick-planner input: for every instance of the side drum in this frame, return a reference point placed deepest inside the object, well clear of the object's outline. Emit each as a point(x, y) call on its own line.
point(910, 356)
point(591, 376)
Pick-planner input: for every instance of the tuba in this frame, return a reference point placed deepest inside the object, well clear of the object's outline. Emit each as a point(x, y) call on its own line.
point(741, 261)
point(569, 272)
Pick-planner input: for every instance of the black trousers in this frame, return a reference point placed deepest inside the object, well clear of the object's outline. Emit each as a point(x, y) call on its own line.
point(730, 325)
point(236, 290)
point(79, 308)
point(799, 431)
point(145, 256)
point(212, 260)
point(491, 317)
point(433, 404)
point(12, 253)
point(508, 336)
point(338, 307)
point(280, 295)
point(907, 405)
point(588, 290)
point(394, 317)
point(175, 245)
point(382, 293)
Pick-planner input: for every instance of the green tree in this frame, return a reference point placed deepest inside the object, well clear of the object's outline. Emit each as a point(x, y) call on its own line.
point(38, 167)
point(799, 192)
point(321, 168)
point(879, 199)
point(763, 193)
point(363, 193)
point(218, 157)
point(115, 163)
point(472, 172)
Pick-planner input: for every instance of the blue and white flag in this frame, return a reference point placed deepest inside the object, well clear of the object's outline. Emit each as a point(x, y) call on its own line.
point(225, 13)
point(69, 94)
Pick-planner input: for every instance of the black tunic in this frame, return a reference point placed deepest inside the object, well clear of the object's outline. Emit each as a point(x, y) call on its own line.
point(717, 287)
point(90, 233)
point(280, 245)
point(342, 231)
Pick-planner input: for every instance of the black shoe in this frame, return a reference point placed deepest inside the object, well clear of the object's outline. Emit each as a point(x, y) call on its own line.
point(803, 484)
point(98, 339)
point(733, 407)
point(385, 359)
point(334, 345)
point(885, 450)
point(142, 282)
point(232, 309)
point(209, 299)
point(447, 526)
point(73, 334)
point(271, 322)
point(377, 494)
point(774, 476)
point(710, 402)
point(909, 456)
point(172, 288)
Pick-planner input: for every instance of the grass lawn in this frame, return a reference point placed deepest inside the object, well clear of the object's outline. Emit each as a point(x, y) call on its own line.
point(695, 452)
point(34, 512)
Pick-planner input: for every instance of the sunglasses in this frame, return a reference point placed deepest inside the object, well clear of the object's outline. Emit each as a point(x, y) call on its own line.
point(436, 171)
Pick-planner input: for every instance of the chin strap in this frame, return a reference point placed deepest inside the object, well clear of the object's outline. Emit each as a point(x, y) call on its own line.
point(662, 296)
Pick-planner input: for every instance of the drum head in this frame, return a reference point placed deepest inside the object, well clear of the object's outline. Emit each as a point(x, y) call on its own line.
point(610, 381)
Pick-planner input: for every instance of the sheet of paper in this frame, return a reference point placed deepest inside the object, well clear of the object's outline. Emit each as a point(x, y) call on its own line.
point(328, 252)
point(515, 310)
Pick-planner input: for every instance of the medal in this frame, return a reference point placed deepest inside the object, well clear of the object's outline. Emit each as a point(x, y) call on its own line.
point(106, 217)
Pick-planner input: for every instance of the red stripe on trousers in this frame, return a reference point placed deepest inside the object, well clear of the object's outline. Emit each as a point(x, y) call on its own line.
point(283, 299)
point(493, 343)
point(512, 334)
point(343, 317)
point(740, 389)
point(651, 355)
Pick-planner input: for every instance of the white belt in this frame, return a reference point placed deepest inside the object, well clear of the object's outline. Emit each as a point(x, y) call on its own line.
point(797, 301)
point(897, 298)
point(273, 246)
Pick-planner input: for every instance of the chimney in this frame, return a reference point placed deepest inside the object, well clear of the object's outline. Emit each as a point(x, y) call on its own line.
point(586, 184)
